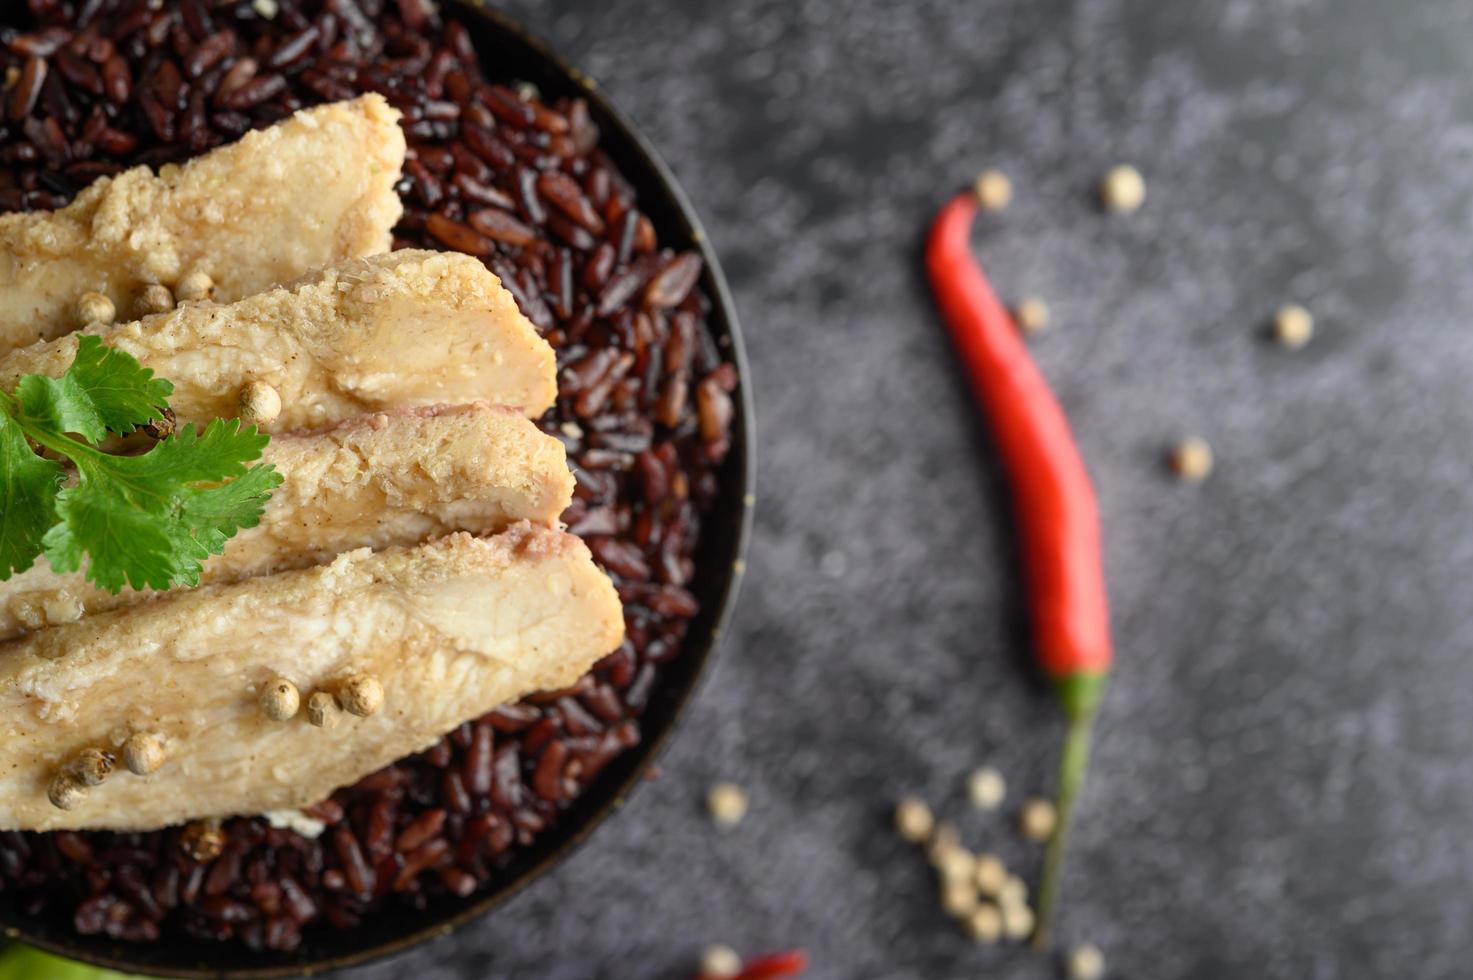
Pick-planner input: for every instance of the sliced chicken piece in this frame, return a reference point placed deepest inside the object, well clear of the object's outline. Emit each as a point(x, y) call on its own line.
point(315, 190)
point(372, 482)
point(450, 630)
point(402, 329)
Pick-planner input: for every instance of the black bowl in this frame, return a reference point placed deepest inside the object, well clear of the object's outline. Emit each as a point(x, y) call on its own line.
point(515, 54)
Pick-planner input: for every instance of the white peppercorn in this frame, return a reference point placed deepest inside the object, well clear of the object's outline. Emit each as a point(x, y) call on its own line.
point(1123, 189)
point(1293, 326)
point(986, 788)
point(323, 710)
point(956, 864)
point(194, 287)
point(361, 695)
point(1192, 459)
point(202, 840)
point(93, 307)
point(1085, 962)
point(1014, 891)
point(280, 700)
point(990, 875)
point(985, 924)
point(959, 898)
point(944, 839)
point(1037, 819)
point(993, 189)
point(913, 820)
point(259, 403)
point(66, 791)
point(1031, 315)
point(155, 298)
point(143, 753)
point(727, 803)
point(93, 766)
point(1017, 920)
point(720, 963)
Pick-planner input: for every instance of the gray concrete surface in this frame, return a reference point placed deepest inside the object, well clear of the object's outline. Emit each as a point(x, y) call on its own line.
point(1283, 786)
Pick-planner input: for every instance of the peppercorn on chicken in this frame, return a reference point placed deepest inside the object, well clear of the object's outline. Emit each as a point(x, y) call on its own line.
point(376, 481)
point(402, 329)
point(417, 639)
point(315, 190)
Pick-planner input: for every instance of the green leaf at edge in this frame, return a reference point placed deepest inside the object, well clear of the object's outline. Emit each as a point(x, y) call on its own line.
point(29, 963)
point(28, 487)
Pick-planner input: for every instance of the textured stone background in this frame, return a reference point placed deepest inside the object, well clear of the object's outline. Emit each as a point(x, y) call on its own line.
point(1283, 786)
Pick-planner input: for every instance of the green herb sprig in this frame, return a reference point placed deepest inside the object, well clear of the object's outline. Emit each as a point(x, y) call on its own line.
point(145, 521)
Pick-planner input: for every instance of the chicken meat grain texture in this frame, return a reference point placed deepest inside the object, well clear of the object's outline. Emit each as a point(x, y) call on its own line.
point(451, 629)
point(314, 190)
point(373, 482)
point(398, 330)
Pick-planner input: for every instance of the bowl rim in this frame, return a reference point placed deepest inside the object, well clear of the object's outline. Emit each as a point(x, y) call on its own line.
point(738, 475)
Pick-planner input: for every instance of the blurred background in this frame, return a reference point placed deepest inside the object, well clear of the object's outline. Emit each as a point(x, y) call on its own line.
point(1283, 783)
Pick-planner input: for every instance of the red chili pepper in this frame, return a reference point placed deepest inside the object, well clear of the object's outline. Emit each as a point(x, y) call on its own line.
point(788, 964)
point(1053, 500)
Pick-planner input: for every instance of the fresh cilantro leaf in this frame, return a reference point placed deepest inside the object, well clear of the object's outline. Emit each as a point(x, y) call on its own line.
point(209, 518)
point(59, 405)
point(28, 487)
point(104, 390)
point(188, 456)
point(124, 544)
point(145, 521)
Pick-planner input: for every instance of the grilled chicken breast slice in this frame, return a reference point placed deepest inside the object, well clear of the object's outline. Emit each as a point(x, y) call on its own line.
point(376, 481)
point(450, 629)
point(402, 329)
point(314, 190)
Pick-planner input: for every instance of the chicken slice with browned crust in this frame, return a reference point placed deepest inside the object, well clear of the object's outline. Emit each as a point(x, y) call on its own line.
point(315, 190)
point(398, 330)
point(376, 481)
point(447, 630)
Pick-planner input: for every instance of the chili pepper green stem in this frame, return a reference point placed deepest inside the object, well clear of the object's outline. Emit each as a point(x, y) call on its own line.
point(1080, 696)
